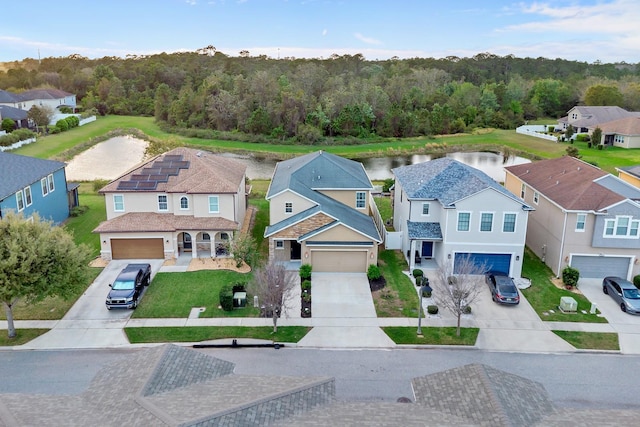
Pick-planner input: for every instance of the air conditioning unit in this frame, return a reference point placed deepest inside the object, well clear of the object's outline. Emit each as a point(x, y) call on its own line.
point(568, 304)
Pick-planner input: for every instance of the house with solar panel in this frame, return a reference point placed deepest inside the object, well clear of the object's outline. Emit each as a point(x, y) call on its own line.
point(31, 186)
point(322, 213)
point(185, 201)
point(446, 211)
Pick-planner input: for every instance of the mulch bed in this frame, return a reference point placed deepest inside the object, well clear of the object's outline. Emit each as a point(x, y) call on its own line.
point(376, 285)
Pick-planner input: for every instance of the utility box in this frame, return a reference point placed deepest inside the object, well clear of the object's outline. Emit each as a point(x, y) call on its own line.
point(568, 304)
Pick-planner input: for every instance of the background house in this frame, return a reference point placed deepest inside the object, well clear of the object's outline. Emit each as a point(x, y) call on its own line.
point(586, 118)
point(624, 133)
point(29, 185)
point(584, 217)
point(446, 210)
point(184, 201)
point(320, 214)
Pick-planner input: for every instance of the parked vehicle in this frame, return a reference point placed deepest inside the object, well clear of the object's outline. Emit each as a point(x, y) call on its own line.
point(128, 287)
point(623, 292)
point(502, 288)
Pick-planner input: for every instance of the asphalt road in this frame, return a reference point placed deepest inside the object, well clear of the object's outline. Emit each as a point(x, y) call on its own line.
point(572, 380)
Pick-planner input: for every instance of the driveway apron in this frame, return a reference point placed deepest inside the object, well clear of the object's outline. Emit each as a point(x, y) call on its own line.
point(343, 314)
point(88, 324)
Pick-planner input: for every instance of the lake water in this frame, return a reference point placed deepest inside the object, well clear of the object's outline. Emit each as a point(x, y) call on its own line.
point(111, 158)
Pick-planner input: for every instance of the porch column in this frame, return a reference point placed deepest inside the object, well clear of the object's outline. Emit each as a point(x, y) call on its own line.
point(412, 258)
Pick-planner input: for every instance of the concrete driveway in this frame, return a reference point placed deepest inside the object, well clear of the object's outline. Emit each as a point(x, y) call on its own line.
point(88, 324)
point(343, 314)
point(627, 325)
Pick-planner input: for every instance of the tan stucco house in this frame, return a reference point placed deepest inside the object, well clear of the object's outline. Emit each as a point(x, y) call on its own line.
point(183, 201)
point(321, 212)
point(584, 217)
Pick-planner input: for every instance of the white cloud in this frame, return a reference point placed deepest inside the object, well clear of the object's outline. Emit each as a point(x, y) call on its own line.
point(324, 32)
point(367, 40)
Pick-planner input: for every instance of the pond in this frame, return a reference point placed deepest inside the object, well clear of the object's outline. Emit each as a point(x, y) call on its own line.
point(115, 156)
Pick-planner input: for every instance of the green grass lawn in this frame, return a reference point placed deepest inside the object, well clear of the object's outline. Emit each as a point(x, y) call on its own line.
point(544, 295)
point(590, 340)
point(52, 308)
point(82, 225)
point(261, 221)
point(432, 336)
point(291, 334)
point(384, 207)
point(22, 336)
point(398, 298)
point(174, 294)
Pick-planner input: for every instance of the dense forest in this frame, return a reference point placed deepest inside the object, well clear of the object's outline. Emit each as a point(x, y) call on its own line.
point(308, 100)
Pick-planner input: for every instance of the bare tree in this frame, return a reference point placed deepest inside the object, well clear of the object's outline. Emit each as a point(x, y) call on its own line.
point(273, 285)
point(456, 290)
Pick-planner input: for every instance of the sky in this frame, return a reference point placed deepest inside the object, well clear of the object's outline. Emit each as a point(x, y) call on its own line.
point(582, 30)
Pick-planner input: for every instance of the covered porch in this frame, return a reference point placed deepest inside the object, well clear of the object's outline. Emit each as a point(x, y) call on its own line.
point(424, 241)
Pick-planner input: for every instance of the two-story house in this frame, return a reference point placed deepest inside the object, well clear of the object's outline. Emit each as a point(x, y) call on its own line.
point(320, 209)
point(586, 118)
point(584, 217)
point(447, 211)
point(184, 201)
point(29, 185)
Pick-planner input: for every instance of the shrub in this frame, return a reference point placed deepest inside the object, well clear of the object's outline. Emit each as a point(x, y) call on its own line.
point(426, 294)
point(418, 273)
point(78, 210)
point(99, 183)
point(466, 309)
point(72, 121)
point(306, 297)
point(636, 281)
point(305, 271)
point(226, 297)
point(432, 309)
point(373, 272)
point(306, 285)
point(600, 146)
point(570, 276)
point(7, 125)
point(387, 184)
point(62, 125)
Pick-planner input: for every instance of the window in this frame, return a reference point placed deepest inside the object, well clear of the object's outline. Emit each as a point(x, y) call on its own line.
point(580, 221)
point(522, 192)
point(463, 221)
point(361, 200)
point(19, 201)
point(27, 196)
point(184, 202)
point(118, 203)
point(536, 197)
point(51, 186)
point(214, 204)
point(279, 244)
point(509, 223)
point(288, 207)
point(425, 209)
point(486, 221)
point(162, 202)
point(45, 186)
point(621, 226)
point(206, 237)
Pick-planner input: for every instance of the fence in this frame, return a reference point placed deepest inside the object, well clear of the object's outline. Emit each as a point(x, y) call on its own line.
point(536, 131)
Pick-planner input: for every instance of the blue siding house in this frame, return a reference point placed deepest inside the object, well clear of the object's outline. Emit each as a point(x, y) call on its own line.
point(29, 185)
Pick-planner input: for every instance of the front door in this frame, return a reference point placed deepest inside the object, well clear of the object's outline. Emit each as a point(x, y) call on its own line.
point(295, 250)
point(427, 249)
point(186, 242)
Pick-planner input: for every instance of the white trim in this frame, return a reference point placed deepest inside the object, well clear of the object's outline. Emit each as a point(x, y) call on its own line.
point(428, 204)
point(28, 202)
point(44, 186)
point(536, 197)
point(458, 222)
point(187, 199)
point(364, 200)
point(480, 223)
point(166, 202)
point(20, 200)
point(615, 228)
point(337, 223)
point(275, 244)
point(584, 222)
point(52, 186)
point(515, 222)
point(114, 203)
point(290, 212)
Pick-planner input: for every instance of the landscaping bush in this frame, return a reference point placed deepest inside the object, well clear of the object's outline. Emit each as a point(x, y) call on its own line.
point(426, 294)
point(306, 297)
point(373, 272)
point(226, 297)
point(15, 136)
point(387, 184)
point(417, 273)
point(62, 125)
point(570, 276)
point(305, 271)
point(432, 309)
point(78, 210)
point(306, 285)
point(467, 309)
point(72, 121)
point(583, 137)
point(636, 281)
point(600, 146)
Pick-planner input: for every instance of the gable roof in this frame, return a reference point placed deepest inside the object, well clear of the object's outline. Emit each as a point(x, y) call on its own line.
point(595, 115)
point(8, 97)
point(631, 170)
point(625, 126)
point(48, 93)
point(309, 174)
point(446, 180)
point(570, 183)
point(17, 172)
point(7, 112)
point(197, 172)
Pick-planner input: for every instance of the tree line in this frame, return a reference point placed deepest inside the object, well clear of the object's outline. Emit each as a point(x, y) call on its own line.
point(312, 100)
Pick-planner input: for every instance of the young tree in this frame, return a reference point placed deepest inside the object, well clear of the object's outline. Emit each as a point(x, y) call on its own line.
point(596, 136)
point(273, 285)
point(41, 116)
point(455, 290)
point(243, 248)
point(37, 260)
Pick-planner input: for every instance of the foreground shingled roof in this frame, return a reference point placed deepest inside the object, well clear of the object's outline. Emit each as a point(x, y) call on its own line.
point(16, 172)
point(175, 386)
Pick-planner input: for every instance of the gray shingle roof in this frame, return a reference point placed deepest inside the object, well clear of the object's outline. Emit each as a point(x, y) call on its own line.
point(12, 113)
point(8, 97)
point(446, 180)
point(17, 172)
point(306, 174)
point(424, 230)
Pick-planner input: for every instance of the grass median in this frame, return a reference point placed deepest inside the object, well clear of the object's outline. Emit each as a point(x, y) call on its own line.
point(590, 340)
point(432, 336)
point(290, 334)
point(22, 336)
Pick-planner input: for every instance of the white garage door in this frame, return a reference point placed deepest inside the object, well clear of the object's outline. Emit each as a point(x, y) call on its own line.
point(339, 261)
point(597, 267)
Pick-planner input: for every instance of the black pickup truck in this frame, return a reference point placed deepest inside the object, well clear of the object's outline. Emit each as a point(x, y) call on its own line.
point(127, 289)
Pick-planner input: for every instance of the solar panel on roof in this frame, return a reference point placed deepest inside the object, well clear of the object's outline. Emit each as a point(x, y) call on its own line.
point(147, 185)
point(127, 185)
point(140, 177)
point(181, 165)
point(150, 171)
point(172, 157)
point(159, 178)
point(170, 171)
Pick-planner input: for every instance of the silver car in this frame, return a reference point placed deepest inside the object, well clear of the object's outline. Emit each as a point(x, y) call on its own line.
point(623, 292)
